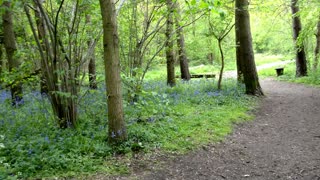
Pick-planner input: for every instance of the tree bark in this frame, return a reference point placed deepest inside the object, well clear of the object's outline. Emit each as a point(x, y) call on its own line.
point(11, 49)
point(116, 125)
point(59, 68)
point(222, 63)
point(245, 51)
point(301, 61)
point(184, 66)
point(240, 68)
point(317, 48)
point(1, 62)
point(136, 54)
point(171, 81)
point(92, 62)
point(41, 36)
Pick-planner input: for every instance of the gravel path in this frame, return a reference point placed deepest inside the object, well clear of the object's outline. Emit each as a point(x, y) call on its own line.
point(283, 142)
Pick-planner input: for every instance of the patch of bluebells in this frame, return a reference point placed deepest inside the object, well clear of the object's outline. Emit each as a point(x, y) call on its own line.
point(4, 95)
point(213, 93)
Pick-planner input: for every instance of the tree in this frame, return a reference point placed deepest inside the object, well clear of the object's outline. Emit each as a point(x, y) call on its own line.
point(171, 81)
point(184, 66)
point(11, 49)
point(116, 125)
point(1, 61)
point(41, 35)
point(240, 67)
point(245, 51)
point(301, 61)
point(141, 24)
point(63, 56)
point(219, 35)
point(317, 48)
point(92, 60)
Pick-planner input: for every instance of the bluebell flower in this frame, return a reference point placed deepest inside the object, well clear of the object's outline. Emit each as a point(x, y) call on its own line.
point(113, 135)
point(69, 124)
point(4, 95)
point(46, 139)
point(119, 132)
point(216, 93)
point(151, 119)
point(196, 92)
point(30, 152)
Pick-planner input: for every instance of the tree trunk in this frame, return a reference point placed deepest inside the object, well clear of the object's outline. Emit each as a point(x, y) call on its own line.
point(184, 66)
point(301, 61)
point(222, 63)
point(171, 81)
point(245, 51)
point(11, 48)
point(240, 68)
point(136, 54)
point(41, 36)
point(317, 48)
point(92, 62)
point(116, 124)
point(61, 79)
point(1, 62)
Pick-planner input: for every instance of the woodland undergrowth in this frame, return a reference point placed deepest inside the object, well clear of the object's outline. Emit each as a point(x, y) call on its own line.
point(175, 119)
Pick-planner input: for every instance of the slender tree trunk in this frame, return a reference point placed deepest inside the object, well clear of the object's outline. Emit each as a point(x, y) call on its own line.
point(11, 48)
point(41, 36)
point(245, 51)
point(240, 68)
point(116, 124)
point(184, 66)
point(301, 61)
point(92, 61)
point(194, 27)
point(1, 61)
point(136, 54)
point(171, 81)
point(317, 48)
point(222, 63)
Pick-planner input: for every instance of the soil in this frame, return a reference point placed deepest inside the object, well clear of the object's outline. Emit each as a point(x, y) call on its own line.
point(283, 142)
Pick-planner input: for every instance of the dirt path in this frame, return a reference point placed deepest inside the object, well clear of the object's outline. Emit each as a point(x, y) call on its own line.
point(283, 142)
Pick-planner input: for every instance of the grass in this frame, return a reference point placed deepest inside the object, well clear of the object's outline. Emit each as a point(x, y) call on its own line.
point(262, 59)
point(157, 73)
point(174, 119)
point(312, 79)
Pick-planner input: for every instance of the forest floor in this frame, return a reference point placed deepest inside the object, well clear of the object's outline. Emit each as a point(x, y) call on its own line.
point(283, 142)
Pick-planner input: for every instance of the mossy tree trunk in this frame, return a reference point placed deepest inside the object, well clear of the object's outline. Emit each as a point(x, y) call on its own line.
point(116, 124)
point(301, 61)
point(11, 49)
point(245, 51)
point(171, 81)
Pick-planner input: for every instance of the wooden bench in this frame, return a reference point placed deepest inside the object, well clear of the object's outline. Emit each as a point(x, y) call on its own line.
point(279, 71)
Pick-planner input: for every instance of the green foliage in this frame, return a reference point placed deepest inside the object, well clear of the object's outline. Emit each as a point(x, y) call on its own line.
point(172, 119)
